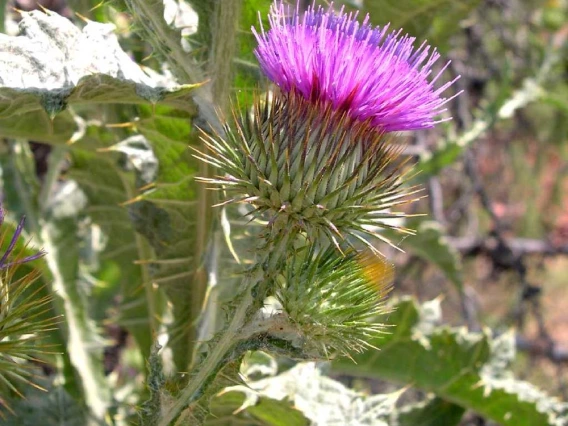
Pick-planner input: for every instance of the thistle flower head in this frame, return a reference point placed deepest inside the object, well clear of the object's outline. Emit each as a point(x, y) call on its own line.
point(315, 158)
point(367, 71)
point(310, 170)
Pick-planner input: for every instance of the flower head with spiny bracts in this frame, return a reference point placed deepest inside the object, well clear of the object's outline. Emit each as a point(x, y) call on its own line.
point(372, 74)
point(315, 156)
point(310, 170)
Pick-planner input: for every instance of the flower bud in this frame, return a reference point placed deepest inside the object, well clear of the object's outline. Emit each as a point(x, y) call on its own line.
point(309, 169)
point(334, 300)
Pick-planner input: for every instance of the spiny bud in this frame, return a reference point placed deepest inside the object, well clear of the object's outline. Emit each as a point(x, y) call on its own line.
point(309, 168)
point(335, 300)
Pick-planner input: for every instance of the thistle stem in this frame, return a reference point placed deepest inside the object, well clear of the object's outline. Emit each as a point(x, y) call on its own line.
point(248, 303)
point(215, 360)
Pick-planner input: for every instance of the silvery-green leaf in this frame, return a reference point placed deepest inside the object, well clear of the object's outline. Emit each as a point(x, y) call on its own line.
point(53, 64)
point(461, 367)
point(325, 401)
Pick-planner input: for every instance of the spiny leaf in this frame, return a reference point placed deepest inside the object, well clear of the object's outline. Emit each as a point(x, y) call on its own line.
point(71, 67)
point(458, 366)
point(321, 399)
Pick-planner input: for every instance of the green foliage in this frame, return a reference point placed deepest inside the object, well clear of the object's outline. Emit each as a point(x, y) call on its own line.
point(60, 237)
point(106, 186)
point(166, 215)
point(430, 244)
point(467, 369)
point(77, 68)
point(106, 182)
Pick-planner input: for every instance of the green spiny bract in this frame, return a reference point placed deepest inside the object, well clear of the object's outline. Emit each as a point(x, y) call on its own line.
point(24, 319)
point(308, 168)
point(334, 299)
point(24, 312)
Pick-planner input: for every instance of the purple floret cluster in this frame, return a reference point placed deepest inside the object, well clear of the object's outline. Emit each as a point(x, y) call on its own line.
point(368, 72)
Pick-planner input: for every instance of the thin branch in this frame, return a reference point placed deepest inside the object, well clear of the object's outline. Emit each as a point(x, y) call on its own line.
point(470, 246)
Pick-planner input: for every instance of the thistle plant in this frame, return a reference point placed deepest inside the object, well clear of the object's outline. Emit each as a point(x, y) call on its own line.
point(306, 170)
point(316, 161)
point(23, 311)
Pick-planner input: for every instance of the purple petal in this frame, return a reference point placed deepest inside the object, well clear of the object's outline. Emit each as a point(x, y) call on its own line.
point(365, 71)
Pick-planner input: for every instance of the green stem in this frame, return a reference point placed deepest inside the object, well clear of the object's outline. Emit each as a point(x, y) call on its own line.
point(251, 300)
point(214, 361)
point(55, 163)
